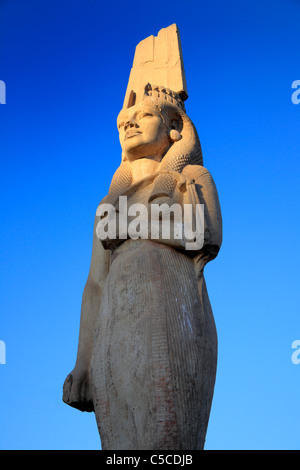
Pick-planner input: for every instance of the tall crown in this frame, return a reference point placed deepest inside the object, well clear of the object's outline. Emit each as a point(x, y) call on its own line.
point(164, 94)
point(158, 60)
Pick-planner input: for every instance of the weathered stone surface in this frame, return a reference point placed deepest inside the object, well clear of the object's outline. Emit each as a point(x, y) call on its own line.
point(147, 350)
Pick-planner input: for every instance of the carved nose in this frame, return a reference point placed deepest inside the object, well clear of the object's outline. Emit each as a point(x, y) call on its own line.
point(129, 124)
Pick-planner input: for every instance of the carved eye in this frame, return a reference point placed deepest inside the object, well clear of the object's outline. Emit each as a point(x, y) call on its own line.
point(121, 124)
point(143, 115)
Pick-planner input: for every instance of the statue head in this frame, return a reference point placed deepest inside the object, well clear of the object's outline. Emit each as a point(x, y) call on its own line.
point(156, 127)
point(149, 128)
point(143, 132)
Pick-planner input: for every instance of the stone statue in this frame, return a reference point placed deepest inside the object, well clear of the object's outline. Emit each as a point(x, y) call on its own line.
point(147, 352)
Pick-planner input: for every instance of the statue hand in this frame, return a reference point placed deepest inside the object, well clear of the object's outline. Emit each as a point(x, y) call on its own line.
point(76, 390)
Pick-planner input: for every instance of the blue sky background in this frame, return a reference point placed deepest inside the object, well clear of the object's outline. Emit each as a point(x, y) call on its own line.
point(66, 65)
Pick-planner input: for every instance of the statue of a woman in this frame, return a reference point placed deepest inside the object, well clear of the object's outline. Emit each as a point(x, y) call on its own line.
point(147, 351)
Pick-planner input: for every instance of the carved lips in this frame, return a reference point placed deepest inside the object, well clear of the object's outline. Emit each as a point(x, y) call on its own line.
point(131, 133)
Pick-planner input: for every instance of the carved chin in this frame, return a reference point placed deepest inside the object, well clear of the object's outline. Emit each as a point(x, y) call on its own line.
point(133, 145)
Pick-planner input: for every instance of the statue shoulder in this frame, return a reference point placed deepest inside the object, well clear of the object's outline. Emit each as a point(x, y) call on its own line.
point(196, 172)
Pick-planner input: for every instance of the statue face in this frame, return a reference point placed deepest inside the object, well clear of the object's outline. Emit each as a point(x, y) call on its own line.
point(143, 132)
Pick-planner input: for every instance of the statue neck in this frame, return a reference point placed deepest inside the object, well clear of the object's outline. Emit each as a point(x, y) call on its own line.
point(143, 167)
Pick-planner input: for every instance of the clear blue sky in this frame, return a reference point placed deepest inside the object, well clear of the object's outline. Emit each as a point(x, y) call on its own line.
point(66, 65)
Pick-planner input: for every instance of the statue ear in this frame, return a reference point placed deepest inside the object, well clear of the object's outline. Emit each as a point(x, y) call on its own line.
point(175, 135)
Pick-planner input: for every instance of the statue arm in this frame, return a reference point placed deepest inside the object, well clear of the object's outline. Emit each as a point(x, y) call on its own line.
point(208, 195)
point(76, 391)
point(203, 191)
